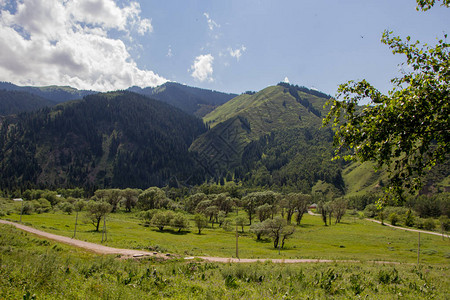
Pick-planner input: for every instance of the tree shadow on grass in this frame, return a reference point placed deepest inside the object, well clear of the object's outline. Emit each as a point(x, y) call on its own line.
point(171, 231)
point(264, 240)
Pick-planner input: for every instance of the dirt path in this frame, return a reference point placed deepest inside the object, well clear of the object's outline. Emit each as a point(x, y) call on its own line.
point(100, 249)
point(410, 229)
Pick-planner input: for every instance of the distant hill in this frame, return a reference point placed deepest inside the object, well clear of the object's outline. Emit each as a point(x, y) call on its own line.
point(192, 100)
point(56, 94)
point(13, 102)
point(117, 139)
point(271, 138)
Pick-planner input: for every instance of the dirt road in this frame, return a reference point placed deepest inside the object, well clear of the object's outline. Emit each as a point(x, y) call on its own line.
point(100, 249)
point(410, 229)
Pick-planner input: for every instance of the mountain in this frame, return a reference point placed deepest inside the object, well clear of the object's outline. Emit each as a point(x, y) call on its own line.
point(56, 94)
point(13, 102)
point(192, 100)
point(117, 139)
point(271, 138)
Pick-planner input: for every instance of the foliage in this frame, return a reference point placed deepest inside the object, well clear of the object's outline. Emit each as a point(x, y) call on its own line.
point(406, 130)
point(152, 198)
point(162, 218)
point(96, 210)
point(179, 221)
point(200, 222)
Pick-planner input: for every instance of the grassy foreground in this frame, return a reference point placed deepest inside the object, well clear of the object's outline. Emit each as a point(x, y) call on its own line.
point(33, 267)
point(353, 239)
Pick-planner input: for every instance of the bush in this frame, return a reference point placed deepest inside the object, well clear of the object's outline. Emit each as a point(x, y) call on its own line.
point(393, 218)
point(429, 224)
point(370, 211)
point(409, 219)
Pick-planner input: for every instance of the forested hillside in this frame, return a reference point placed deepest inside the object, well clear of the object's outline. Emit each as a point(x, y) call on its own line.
point(13, 102)
point(271, 138)
point(118, 139)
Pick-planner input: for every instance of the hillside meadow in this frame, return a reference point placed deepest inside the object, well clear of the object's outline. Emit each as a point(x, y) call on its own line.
point(352, 239)
point(33, 268)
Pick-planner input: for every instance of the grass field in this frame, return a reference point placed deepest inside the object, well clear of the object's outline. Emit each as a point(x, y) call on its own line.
point(353, 239)
point(33, 268)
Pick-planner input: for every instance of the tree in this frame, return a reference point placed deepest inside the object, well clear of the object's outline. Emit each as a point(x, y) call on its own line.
point(277, 228)
point(406, 131)
point(259, 229)
point(339, 206)
point(241, 221)
point(264, 211)
point(96, 210)
point(179, 221)
point(130, 198)
point(151, 198)
point(200, 222)
point(162, 219)
point(302, 206)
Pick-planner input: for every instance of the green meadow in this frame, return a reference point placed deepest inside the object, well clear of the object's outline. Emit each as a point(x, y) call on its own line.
point(34, 268)
point(352, 239)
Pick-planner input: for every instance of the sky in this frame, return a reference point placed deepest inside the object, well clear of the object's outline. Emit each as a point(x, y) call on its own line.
point(230, 46)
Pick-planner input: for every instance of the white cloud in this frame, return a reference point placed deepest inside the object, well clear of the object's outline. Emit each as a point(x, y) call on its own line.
point(237, 53)
point(202, 68)
point(286, 79)
point(67, 42)
point(169, 52)
point(211, 23)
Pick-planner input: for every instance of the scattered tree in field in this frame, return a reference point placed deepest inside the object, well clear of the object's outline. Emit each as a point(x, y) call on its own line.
point(96, 210)
point(407, 130)
point(259, 229)
point(162, 219)
point(264, 211)
point(221, 217)
point(339, 207)
point(295, 203)
point(200, 222)
point(112, 196)
point(179, 221)
point(241, 221)
point(302, 206)
point(253, 200)
point(193, 200)
point(152, 198)
point(278, 229)
point(130, 198)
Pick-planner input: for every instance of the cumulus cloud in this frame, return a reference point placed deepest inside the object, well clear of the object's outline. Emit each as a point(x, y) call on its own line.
point(202, 68)
point(67, 42)
point(211, 23)
point(237, 53)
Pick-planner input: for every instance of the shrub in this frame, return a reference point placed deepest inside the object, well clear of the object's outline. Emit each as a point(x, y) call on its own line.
point(393, 218)
point(370, 211)
point(429, 224)
point(409, 219)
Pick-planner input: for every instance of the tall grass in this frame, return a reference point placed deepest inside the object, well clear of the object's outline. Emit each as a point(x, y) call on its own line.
point(31, 267)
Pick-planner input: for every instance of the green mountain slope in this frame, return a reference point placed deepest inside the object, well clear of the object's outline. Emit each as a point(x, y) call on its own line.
point(270, 138)
point(118, 139)
point(192, 100)
point(247, 118)
point(13, 102)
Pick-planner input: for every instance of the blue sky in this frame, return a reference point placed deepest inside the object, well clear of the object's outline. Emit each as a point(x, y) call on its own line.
point(230, 46)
